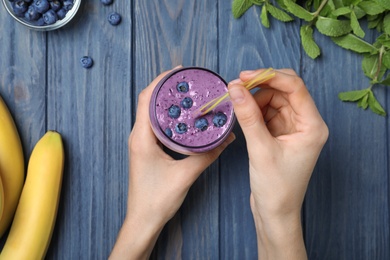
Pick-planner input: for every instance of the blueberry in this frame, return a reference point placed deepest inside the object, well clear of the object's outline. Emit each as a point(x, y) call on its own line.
point(174, 111)
point(61, 13)
point(181, 128)
point(55, 5)
point(168, 132)
point(219, 119)
point(201, 123)
point(40, 22)
point(68, 4)
point(114, 18)
point(86, 62)
point(182, 87)
point(50, 17)
point(31, 14)
point(20, 7)
point(106, 2)
point(186, 102)
point(41, 6)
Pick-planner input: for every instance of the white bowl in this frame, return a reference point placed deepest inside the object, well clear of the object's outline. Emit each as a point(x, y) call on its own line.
point(60, 23)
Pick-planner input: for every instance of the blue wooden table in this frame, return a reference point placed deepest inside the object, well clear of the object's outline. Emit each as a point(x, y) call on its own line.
point(346, 210)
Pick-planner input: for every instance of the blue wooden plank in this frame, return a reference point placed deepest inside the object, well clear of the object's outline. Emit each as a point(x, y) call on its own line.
point(244, 44)
point(91, 108)
point(347, 204)
point(169, 33)
point(22, 78)
point(22, 81)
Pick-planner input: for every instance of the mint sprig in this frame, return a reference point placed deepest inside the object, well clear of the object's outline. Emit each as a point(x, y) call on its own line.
point(340, 20)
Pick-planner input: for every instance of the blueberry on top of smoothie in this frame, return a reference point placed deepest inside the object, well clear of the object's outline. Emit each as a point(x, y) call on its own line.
point(168, 132)
point(20, 7)
point(174, 111)
point(181, 128)
point(186, 102)
point(201, 123)
point(219, 119)
point(182, 87)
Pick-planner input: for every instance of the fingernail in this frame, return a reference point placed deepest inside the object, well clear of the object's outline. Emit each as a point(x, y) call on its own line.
point(179, 66)
point(248, 71)
point(233, 82)
point(236, 94)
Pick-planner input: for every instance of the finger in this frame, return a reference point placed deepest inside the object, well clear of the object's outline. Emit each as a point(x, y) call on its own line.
point(289, 83)
point(248, 115)
point(142, 124)
point(196, 164)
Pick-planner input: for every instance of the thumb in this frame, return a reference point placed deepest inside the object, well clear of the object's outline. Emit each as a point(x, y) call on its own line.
point(248, 115)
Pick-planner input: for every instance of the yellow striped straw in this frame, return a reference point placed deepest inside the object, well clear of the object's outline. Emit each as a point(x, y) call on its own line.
point(250, 84)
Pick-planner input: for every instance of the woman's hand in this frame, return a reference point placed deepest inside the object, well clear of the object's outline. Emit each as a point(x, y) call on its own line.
point(285, 134)
point(158, 184)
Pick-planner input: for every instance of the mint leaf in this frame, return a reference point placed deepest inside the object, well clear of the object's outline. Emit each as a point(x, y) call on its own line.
point(386, 59)
point(386, 81)
point(278, 13)
point(298, 11)
point(363, 102)
point(341, 11)
point(356, 26)
point(371, 7)
point(353, 43)
point(386, 24)
point(384, 3)
point(264, 16)
point(308, 43)
point(333, 27)
point(370, 65)
point(374, 105)
point(239, 7)
point(354, 95)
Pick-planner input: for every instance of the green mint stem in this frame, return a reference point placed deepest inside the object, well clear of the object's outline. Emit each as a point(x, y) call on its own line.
point(322, 5)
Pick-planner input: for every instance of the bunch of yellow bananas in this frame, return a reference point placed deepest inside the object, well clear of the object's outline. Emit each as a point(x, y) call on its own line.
point(31, 204)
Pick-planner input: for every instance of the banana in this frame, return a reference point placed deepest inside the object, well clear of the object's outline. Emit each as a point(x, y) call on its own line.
point(11, 165)
point(1, 197)
point(35, 216)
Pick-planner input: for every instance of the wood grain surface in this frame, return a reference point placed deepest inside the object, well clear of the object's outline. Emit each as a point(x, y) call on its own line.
point(346, 209)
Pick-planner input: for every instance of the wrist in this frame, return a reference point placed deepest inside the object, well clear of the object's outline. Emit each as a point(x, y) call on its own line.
point(136, 238)
point(280, 236)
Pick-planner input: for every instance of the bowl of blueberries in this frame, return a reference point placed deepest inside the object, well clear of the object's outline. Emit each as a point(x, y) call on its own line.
point(43, 15)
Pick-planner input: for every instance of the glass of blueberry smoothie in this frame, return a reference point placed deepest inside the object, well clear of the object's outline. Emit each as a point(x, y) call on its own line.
point(172, 109)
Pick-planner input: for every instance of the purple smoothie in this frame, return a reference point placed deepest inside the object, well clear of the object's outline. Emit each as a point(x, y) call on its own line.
point(172, 107)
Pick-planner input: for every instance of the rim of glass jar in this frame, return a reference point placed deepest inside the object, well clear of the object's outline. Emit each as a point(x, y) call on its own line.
point(172, 144)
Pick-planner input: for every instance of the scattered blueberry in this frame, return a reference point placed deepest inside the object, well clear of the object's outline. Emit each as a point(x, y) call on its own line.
point(106, 2)
point(168, 132)
point(50, 17)
point(186, 102)
point(31, 14)
point(114, 18)
point(201, 123)
point(20, 7)
point(182, 87)
point(219, 119)
point(61, 13)
point(174, 111)
point(41, 6)
point(55, 5)
point(181, 128)
point(86, 62)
